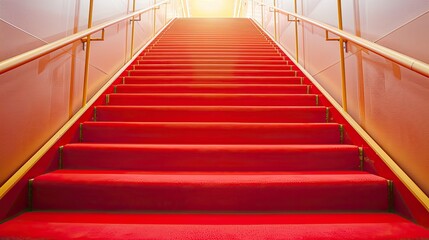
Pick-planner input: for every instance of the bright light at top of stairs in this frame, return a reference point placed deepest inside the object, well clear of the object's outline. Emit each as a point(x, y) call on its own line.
point(211, 8)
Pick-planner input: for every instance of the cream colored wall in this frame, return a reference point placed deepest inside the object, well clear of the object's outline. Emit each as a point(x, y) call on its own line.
point(390, 102)
point(35, 98)
point(211, 8)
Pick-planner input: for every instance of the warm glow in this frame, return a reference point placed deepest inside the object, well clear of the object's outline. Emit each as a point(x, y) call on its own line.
point(211, 8)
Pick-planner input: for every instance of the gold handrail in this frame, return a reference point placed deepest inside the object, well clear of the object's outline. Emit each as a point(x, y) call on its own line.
point(399, 58)
point(26, 57)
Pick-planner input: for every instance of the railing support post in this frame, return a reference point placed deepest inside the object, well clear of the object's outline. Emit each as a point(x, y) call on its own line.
point(165, 14)
point(154, 19)
point(296, 32)
point(253, 9)
point(183, 8)
point(275, 21)
point(132, 31)
point(87, 54)
point(342, 59)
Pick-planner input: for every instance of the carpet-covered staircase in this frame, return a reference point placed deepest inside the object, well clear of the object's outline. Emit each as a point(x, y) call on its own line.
point(212, 135)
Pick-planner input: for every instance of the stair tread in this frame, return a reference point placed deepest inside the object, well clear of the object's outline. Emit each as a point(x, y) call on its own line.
point(213, 108)
point(200, 177)
point(66, 225)
point(216, 146)
point(213, 88)
point(211, 133)
point(214, 124)
point(184, 218)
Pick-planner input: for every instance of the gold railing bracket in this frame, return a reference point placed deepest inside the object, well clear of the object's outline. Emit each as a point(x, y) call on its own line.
point(345, 42)
point(83, 40)
point(327, 38)
point(292, 20)
point(136, 19)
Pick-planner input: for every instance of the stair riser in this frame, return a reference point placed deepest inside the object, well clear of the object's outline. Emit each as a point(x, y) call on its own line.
point(218, 61)
point(168, 133)
point(213, 114)
point(231, 72)
point(212, 100)
point(212, 88)
point(208, 50)
point(168, 44)
point(216, 53)
point(210, 80)
point(209, 158)
point(223, 67)
point(167, 193)
point(208, 57)
point(183, 47)
point(214, 39)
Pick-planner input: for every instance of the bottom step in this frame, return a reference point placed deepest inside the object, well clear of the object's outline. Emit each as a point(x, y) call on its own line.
point(66, 225)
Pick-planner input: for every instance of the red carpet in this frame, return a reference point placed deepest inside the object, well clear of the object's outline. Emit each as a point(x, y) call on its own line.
point(211, 135)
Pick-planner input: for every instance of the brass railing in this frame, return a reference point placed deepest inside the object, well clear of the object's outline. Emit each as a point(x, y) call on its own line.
point(399, 58)
point(85, 37)
point(396, 57)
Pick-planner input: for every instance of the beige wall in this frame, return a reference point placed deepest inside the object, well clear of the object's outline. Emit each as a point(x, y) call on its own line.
point(211, 8)
point(390, 102)
point(36, 98)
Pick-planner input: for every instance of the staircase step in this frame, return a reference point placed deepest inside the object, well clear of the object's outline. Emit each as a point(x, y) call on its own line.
point(214, 61)
point(211, 114)
point(213, 88)
point(209, 191)
point(158, 226)
point(210, 56)
point(211, 133)
point(211, 80)
point(210, 50)
point(214, 40)
point(185, 45)
point(218, 53)
point(213, 99)
point(224, 67)
point(238, 158)
point(211, 72)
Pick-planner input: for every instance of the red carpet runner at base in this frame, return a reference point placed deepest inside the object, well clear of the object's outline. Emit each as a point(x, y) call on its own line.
point(212, 135)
